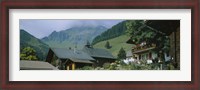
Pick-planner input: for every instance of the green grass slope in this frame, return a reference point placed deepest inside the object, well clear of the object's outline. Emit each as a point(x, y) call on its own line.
point(116, 44)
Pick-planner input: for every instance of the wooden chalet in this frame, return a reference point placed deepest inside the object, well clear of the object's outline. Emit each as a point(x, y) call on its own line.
point(101, 56)
point(69, 59)
point(145, 51)
point(170, 28)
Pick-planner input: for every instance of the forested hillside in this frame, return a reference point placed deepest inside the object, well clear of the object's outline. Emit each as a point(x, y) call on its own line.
point(115, 31)
point(28, 40)
point(116, 37)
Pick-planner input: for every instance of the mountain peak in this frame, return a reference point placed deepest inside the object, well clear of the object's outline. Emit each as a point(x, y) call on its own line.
point(78, 34)
point(54, 32)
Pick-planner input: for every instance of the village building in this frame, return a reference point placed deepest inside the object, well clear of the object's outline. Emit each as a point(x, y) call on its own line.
point(170, 28)
point(71, 59)
point(100, 55)
point(144, 51)
point(36, 65)
point(68, 59)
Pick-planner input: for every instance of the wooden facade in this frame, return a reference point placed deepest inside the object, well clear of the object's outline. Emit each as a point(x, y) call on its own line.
point(170, 28)
point(101, 56)
point(144, 52)
point(66, 59)
point(100, 61)
point(70, 65)
point(175, 47)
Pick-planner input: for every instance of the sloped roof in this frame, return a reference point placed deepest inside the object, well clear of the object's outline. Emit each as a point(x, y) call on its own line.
point(96, 52)
point(64, 53)
point(36, 65)
point(165, 26)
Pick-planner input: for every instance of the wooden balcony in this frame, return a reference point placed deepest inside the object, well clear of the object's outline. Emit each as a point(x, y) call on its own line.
point(140, 49)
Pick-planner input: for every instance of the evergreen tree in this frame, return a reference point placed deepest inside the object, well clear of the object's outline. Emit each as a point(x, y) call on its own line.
point(107, 45)
point(28, 53)
point(148, 35)
point(121, 54)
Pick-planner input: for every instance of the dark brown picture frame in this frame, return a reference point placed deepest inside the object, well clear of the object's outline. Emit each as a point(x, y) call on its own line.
point(194, 84)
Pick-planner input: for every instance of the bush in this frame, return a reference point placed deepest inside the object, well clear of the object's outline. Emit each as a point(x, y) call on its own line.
point(28, 53)
point(143, 61)
point(170, 66)
point(106, 65)
point(99, 68)
point(113, 66)
point(87, 68)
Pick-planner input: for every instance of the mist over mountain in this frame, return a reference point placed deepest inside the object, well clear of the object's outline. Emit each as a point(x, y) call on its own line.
point(41, 28)
point(95, 23)
point(75, 36)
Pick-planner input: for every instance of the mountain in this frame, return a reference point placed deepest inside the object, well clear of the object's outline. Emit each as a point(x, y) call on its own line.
point(28, 40)
point(75, 36)
point(115, 31)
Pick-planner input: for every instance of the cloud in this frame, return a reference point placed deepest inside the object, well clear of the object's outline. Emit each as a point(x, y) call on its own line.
point(43, 27)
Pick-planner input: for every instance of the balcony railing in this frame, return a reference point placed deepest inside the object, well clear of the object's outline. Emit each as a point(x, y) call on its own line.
point(137, 48)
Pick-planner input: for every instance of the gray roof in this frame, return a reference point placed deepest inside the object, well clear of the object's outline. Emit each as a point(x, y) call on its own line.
point(64, 53)
point(36, 65)
point(96, 52)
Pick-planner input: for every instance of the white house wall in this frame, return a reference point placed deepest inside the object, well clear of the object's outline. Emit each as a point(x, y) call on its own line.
point(154, 55)
point(144, 56)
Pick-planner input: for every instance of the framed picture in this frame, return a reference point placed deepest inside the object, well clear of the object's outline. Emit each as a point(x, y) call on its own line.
point(148, 45)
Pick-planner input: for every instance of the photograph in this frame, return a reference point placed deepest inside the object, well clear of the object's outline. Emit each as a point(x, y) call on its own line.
point(99, 44)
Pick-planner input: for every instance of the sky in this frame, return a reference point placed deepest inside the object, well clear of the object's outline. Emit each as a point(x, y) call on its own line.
point(41, 27)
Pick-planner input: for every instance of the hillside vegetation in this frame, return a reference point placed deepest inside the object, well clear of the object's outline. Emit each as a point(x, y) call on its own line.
point(116, 44)
point(28, 40)
point(117, 30)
